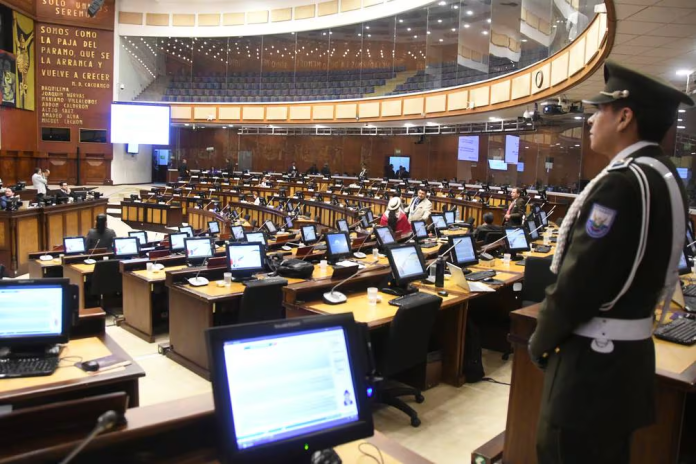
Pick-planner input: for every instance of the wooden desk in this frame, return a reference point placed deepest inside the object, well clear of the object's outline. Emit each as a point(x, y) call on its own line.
point(141, 289)
point(41, 269)
point(177, 432)
point(675, 376)
point(139, 213)
point(80, 275)
point(70, 382)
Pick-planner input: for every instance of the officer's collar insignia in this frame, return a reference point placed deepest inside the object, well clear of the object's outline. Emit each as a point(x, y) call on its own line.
point(600, 221)
point(621, 164)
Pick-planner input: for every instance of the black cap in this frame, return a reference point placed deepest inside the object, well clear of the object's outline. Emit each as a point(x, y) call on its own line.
point(645, 91)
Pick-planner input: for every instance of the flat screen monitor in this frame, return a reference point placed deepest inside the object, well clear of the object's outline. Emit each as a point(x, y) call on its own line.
point(337, 245)
point(690, 246)
point(497, 165)
point(468, 149)
point(399, 161)
point(520, 166)
point(384, 236)
point(34, 312)
point(309, 234)
point(342, 225)
point(516, 240)
point(140, 124)
point(74, 245)
point(439, 221)
point(270, 227)
point(368, 214)
point(132, 148)
point(407, 264)
point(245, 259)
point(288, 222)
point(213, 227)
point(463, 252)
point(126, 247)
point(450, 217)
point(256, 237)
point(318, 362)
point(420, 230)
point(543, 218)
point(684, 266)
point(532, 229)
point(364, 222)
point(198, 249)
point(141, 235)
point(187, 230)
point(683, 173)
point(512, 149)
point(176, 242)
point(237, 233)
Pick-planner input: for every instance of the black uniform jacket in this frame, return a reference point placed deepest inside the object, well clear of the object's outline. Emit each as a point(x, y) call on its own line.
point(606, 392)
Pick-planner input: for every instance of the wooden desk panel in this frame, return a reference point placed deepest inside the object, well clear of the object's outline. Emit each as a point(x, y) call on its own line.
point(40, 269)
point(78, 274)
point(70, 220)
point(141, 213)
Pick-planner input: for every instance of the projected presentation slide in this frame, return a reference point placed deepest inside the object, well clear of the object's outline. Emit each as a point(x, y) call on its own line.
point(27, 312)
point(126, 247)
point(399, 161)
point(468, 148)
point(516, 239)
point(512, 149)
point(338, 244)
point(140, 124)
point(407, 262)
point(312, 387)
point(199, 249)
point(497, 165)
point(245, 257)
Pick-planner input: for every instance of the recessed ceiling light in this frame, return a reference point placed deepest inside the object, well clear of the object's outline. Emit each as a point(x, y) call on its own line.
point(442, 3)
point(408, 29)
point(680, 120)
point(682, 111)
point(401, 20)
point(469, 12)
point(578, 117)
point(456, 7)
point(441, 40)
point(454, 29)
point(681, 127)
point(488, 20)
point(484, 32)
point(467, 26)
point(684, 72)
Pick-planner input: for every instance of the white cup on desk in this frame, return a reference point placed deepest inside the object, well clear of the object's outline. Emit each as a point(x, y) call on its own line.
point(323, 264)
point(149, 267)
point(372, 295)
point(375, 253)
point(506, 259)
point(227, 276)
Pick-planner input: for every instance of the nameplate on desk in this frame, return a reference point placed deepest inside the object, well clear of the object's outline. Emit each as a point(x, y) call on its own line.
point(360, 195)
point(196, 196)
point(300, 183)
point(310, 190)
point(161, 203)
point(460, 198)
point(329, 192)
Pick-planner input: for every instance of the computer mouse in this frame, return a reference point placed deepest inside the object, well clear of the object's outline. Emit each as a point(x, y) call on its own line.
point(90, 366)
point(327, 456)
point(488, 279)
point(442, 293)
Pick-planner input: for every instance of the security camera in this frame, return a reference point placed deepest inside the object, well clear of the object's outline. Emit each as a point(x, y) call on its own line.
point(122, 87)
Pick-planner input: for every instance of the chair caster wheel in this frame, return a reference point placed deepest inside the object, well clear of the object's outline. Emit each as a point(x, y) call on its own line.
point(420, 399)
point(415, 422)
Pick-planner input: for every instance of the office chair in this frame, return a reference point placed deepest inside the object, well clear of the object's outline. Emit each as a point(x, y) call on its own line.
point(405, 347)
point(2, 271)
point(262, 300)
point(537, 276)
point(247, 217)
point(107, 282)
point(471, 221)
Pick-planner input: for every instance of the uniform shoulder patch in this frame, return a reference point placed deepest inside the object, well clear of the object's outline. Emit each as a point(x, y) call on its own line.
point(600, 221)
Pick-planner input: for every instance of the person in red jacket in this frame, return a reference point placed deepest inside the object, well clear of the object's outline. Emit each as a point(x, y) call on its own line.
point(395, 218)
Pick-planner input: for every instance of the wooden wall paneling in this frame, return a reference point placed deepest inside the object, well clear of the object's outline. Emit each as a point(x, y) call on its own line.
point(55, 231)
point(28, 240)
point(87, 219)
point(8, 168)
point(72, 223)
point(94, 169)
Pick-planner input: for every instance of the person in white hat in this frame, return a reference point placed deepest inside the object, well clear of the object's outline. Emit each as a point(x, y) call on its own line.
point(395, 218)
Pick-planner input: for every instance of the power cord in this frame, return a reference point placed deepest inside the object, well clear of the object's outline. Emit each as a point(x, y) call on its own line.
point(488, 379)
point(364, 453)
point(77, 359)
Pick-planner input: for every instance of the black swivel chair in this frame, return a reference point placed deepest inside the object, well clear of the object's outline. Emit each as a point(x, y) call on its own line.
point(107, 284)
point(471, 221)
point(537, 276)
point(262, 301)
point(405, 347)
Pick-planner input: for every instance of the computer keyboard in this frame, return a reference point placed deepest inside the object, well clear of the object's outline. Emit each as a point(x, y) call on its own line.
point(12, 367)
point(681, 331)
point(689, 290)
point(480, 275)
point(412, 298)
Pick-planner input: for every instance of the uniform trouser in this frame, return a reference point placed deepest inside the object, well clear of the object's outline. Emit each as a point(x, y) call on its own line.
point(565, 446)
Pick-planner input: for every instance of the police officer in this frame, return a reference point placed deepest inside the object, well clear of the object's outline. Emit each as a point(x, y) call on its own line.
point(616, 260)
point(516, 209)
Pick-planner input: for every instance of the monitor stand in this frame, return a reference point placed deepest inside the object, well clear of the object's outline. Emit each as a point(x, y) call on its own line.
point(399, 290)
point(515, 257)
point(243, 278)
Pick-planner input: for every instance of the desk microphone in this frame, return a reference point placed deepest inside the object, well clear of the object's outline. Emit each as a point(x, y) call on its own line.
point(199, 281)
point(105, 422)
point(89, 259)
point(359, 254)
point(334, 297)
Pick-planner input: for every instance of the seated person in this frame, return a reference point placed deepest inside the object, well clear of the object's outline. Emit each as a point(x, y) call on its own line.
point(325, 171)
point(64, 191)
point(5, 198)
point(265, 182)
point(313, 170)
point(486, 227)
point(257, 199)
point(395, 218)
point(101, 236)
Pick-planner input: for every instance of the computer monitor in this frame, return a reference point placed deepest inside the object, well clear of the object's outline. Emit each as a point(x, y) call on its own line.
point(186, 229)
point(256, 237)
point(337, 246)
point(439, 222)
point(684, 265)
point(74, 245)
point(368, 214)
point(34, 312)
point(318, 361)
point(309, 234)
point(141, 235)
point(176, 242)
point(544, 220)
point(407, 265)
point(342, 225)
point(364, 222)
point(690, 246)
point(126, 247)
point(450, 217)
point(384, 236)
point(270, 227)
point(213, 227)
point(420, 230)
point(463, 252)
point(288, 222)
point(237, 233)
point(532, 229)
point(245, 259)
point(517, 241)
point(198, 249)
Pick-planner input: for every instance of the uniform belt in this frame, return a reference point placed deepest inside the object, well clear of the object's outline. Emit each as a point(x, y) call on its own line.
point(604, 330)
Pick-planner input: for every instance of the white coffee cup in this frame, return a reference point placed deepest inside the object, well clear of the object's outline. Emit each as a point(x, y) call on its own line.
point(372, 295)
point(323, 264)
point(149, 267)
point(228, 278)
point(506, 258)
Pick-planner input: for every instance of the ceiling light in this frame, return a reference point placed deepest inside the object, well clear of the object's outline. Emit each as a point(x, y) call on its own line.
point(186, 124)
point(681, 127)
point(408, 124)
point(484, 32)
point(439, 20)
point(408, 29)
point(524, 40)
point(578, 117)
point(684, 72)
point(467, 26)
point(441, 40)
point(488, 20)
point(442, 3)
point(469, 12)
point(431, 124)
point(456, 7)
point(415, 36)
point(494, 119)
point(401, 20)
point(682, 111)
point(367, 27)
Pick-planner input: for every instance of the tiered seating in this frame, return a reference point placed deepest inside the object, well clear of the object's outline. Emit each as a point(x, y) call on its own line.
point(277, 86)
